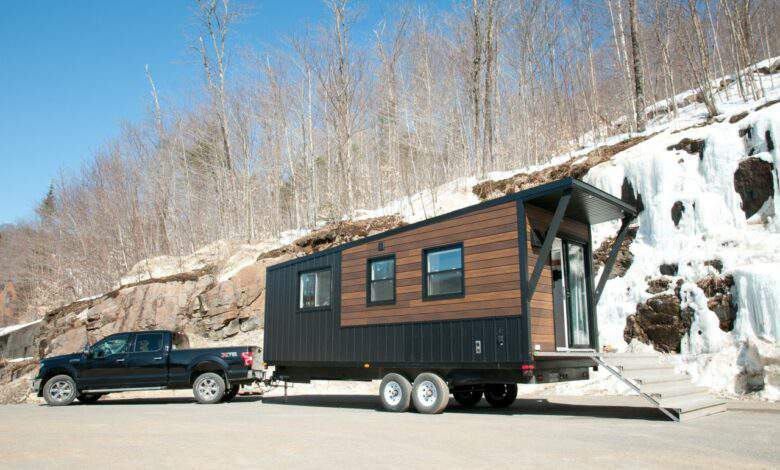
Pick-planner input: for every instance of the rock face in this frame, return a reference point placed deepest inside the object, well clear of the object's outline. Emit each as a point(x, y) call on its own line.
point(753, 183)
point(198, 302)
point(662, 322)
point(7, 301)
point(659, 321)
point(197, 305)
point(720, 299)
point(624, 257)
point(692, 146)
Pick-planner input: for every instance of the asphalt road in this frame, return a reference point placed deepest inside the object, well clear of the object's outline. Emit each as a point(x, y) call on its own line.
point(347, 431)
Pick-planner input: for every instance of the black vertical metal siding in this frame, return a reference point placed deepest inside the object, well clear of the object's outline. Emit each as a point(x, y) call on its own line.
point(316, 337)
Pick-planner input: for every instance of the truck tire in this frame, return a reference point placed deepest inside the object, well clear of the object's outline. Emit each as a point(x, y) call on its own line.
point(60, 390)
point(430, 393)
point(208, 388)
point(395, 392)
point(88, 398)
point(467, 398)
point(500, 395)
point(231, 393)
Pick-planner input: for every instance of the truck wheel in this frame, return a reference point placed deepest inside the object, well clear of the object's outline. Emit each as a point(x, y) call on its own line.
point(60, 390)
point(467, 398)
point(89, 397)
point(231, 393)
point(208, 388)
point(500, 395)
point(430, 393)
point(395, 391)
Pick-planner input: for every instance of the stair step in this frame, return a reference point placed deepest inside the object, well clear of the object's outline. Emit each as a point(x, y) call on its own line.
point(665, 390)
point(646, 366)
point(652, 377)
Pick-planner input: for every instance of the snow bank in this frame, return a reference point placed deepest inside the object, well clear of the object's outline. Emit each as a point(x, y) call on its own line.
point(12, 328)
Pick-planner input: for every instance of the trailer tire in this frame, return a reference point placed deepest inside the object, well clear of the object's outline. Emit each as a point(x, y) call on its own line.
point(500, 395)
point(60, 390)
point(231, 393)
point(467, 398)
point(208, 388)
point(395, 392)
point(430, 393)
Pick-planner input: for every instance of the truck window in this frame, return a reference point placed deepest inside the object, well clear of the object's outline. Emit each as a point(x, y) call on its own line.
point(180, 341)
point(148, 342)
point(111, 345)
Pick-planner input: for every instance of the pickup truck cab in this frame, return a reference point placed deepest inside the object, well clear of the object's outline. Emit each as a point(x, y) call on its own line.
point(146, 360)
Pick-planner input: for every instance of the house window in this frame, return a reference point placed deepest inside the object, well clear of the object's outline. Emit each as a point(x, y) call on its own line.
point(443, 276)
point(381, 280)
point(314, 289)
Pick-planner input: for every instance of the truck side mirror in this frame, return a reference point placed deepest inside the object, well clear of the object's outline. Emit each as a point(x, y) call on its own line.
point(85, 350)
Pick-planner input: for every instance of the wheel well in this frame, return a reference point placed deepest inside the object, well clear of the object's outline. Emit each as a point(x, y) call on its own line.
point(204, 367)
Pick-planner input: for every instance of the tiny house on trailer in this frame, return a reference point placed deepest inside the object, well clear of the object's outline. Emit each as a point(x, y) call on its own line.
point(468, 303)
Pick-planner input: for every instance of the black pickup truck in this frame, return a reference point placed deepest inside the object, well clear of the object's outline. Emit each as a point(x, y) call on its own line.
point(146, 360)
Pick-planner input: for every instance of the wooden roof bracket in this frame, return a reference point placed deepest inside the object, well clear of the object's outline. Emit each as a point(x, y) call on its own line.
point(610, 263)
point(552, 232)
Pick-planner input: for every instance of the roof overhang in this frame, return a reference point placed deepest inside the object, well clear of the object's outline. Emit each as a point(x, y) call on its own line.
point(587, 204)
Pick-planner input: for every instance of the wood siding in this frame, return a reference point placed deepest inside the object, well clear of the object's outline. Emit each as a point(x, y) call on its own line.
point(541, 309)
point(491, 271)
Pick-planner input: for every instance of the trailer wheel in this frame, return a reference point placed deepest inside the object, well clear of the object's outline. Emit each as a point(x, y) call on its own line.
point(395, 391)
point(208, 388)
point(467, 398)
point(430, 393)
point(500, 395)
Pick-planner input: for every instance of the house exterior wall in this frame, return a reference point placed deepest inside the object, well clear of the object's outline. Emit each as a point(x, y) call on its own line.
point(413, 331)
point(491, 271)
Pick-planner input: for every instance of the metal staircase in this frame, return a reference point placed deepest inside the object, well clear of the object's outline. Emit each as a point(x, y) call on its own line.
point(658, 383)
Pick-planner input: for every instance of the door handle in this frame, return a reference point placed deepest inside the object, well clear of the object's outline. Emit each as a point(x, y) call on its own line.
point(120, 360)
point(158, 358)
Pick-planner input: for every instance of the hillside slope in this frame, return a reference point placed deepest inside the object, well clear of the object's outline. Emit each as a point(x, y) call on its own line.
point(699, 277)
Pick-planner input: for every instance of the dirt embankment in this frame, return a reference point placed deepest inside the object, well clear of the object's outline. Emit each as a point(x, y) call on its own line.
point(575, 168)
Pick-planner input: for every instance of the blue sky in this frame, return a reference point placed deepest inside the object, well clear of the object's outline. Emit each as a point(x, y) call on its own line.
point(71, 72)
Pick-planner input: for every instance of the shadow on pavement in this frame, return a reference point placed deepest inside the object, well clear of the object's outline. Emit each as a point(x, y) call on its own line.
point(156, 401)
point(523, 406)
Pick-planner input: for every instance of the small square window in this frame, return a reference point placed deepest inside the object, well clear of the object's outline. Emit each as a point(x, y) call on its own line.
point(314, 289)
point(381, 281)
point(443, 272)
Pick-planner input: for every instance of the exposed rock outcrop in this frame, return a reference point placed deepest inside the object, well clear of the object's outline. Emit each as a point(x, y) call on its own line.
point(753, 182)
point(659, 321)
point(624, 256)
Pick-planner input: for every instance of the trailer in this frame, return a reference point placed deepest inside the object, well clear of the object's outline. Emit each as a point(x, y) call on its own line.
point(469, 303)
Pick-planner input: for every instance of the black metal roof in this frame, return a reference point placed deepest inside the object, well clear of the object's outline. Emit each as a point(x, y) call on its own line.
point(588, 205)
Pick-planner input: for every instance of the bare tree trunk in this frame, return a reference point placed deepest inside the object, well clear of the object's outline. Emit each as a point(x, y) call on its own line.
point(639, 94)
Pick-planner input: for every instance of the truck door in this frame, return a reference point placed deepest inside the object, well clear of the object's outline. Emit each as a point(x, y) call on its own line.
point(104, 367)
point(146, 362)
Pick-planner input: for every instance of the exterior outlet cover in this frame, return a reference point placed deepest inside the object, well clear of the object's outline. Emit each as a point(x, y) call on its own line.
point(478, 347)
point(537, 347)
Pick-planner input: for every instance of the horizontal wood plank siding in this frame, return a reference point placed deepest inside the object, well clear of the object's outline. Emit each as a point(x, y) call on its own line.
point(491, 271)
